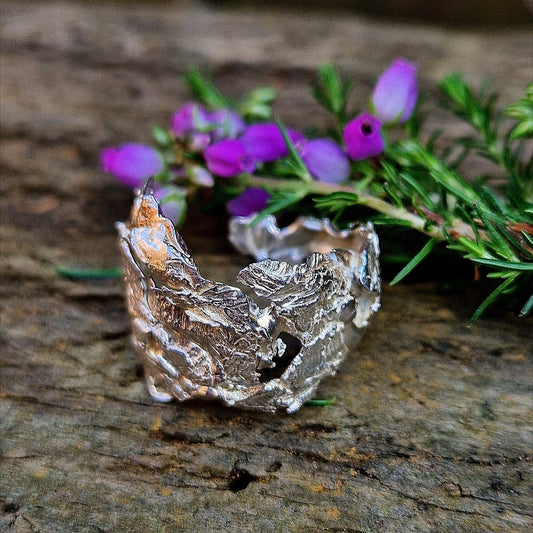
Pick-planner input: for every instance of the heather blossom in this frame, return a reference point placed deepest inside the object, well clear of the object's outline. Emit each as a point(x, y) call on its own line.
point(193, 123)
point(325, 160)
point(264, 142)
point(218, 143)
point(362, 137)
point(228, 158)
point(132, 163)
point(227, 124)
point(396, 92)
point(189, 119)
point(250, 201)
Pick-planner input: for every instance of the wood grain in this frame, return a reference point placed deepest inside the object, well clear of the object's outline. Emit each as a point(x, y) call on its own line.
point(431, 425)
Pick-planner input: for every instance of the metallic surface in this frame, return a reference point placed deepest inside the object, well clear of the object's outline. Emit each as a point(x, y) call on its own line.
point(264, 346)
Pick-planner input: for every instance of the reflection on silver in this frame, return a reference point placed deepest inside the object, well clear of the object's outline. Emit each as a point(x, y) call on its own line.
point(264, 346)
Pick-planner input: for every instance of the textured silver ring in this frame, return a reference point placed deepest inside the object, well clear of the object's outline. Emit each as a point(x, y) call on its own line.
point(266, 345)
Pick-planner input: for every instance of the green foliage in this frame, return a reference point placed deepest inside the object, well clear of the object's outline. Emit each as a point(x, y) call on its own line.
point(490, 226)
point(415, 261)
point(206, 91)
point(318, 402)
point(257, 105)
point(279, 200)
point(333, 92)
point(522, 111)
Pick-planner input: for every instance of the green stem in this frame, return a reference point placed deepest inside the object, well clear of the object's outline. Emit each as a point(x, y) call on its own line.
point(381, 206)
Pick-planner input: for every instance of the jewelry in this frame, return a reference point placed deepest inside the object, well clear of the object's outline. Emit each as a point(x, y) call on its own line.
point(265, 346)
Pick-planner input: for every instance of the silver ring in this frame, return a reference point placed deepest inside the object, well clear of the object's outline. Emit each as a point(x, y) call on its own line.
point(266, 345)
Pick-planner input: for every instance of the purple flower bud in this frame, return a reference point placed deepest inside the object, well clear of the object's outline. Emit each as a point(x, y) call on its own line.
point(326, 160)
point(188, 119)
point(132, 163)
point(200, 176)
point(228, 158)
point(264, 141)
point(199, 142)
point(394, 97)
point(362, 137)
point(252, 200)
point(228, 124)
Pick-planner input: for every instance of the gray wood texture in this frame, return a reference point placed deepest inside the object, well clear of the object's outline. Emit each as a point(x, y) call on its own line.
point(431, 425)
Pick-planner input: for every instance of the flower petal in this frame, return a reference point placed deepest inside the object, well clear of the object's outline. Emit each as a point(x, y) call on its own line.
point(326, 160)
point(362, 137)
point(396, 92)
point(190, 118)
point(228, 124)
point(132, 163)
point(264, 141)
point(228, 158)
point(252, 200)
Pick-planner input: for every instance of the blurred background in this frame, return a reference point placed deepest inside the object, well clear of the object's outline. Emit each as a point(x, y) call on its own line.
point(492, 13)
point(79, 75)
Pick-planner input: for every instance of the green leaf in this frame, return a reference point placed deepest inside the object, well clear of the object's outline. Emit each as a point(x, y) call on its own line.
point(385, 220)
point(491, 298)
point(336, 200)
point(334, 92)
point(504, 265)
point(415, 261)
point(522, 111)
point(463, 244)
point(524, 130)
point(206, 91)
point(299, 165)
point(257, 104)
point(419, 190)
point(527, 307)
point(498, 243)
point(90, 273)
point(162, 136)
point(279, 202)
point(318, 402)
point(393, 195)
point(438, 171)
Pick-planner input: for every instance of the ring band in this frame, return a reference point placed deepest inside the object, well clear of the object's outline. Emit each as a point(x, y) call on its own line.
point(265, 346)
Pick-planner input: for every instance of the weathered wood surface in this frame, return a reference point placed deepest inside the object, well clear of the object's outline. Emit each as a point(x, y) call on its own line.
point(431, 425)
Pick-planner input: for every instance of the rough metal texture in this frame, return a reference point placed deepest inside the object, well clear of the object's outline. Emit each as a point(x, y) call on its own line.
point(264, 350)
point(430, 429)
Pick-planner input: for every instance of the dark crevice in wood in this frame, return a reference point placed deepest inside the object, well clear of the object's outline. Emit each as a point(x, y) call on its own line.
point(239, 479)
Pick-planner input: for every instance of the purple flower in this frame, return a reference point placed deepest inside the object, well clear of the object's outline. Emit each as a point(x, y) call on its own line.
point(228, 158)
point(326, 160)
point(264, 141)
point(228, 124)
point(188, 119)
point(394, 97)
point(252, 200)
point(362, 137)
point(132, 163)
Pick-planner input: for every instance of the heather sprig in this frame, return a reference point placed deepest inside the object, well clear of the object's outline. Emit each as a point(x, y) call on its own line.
point(263, 167)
